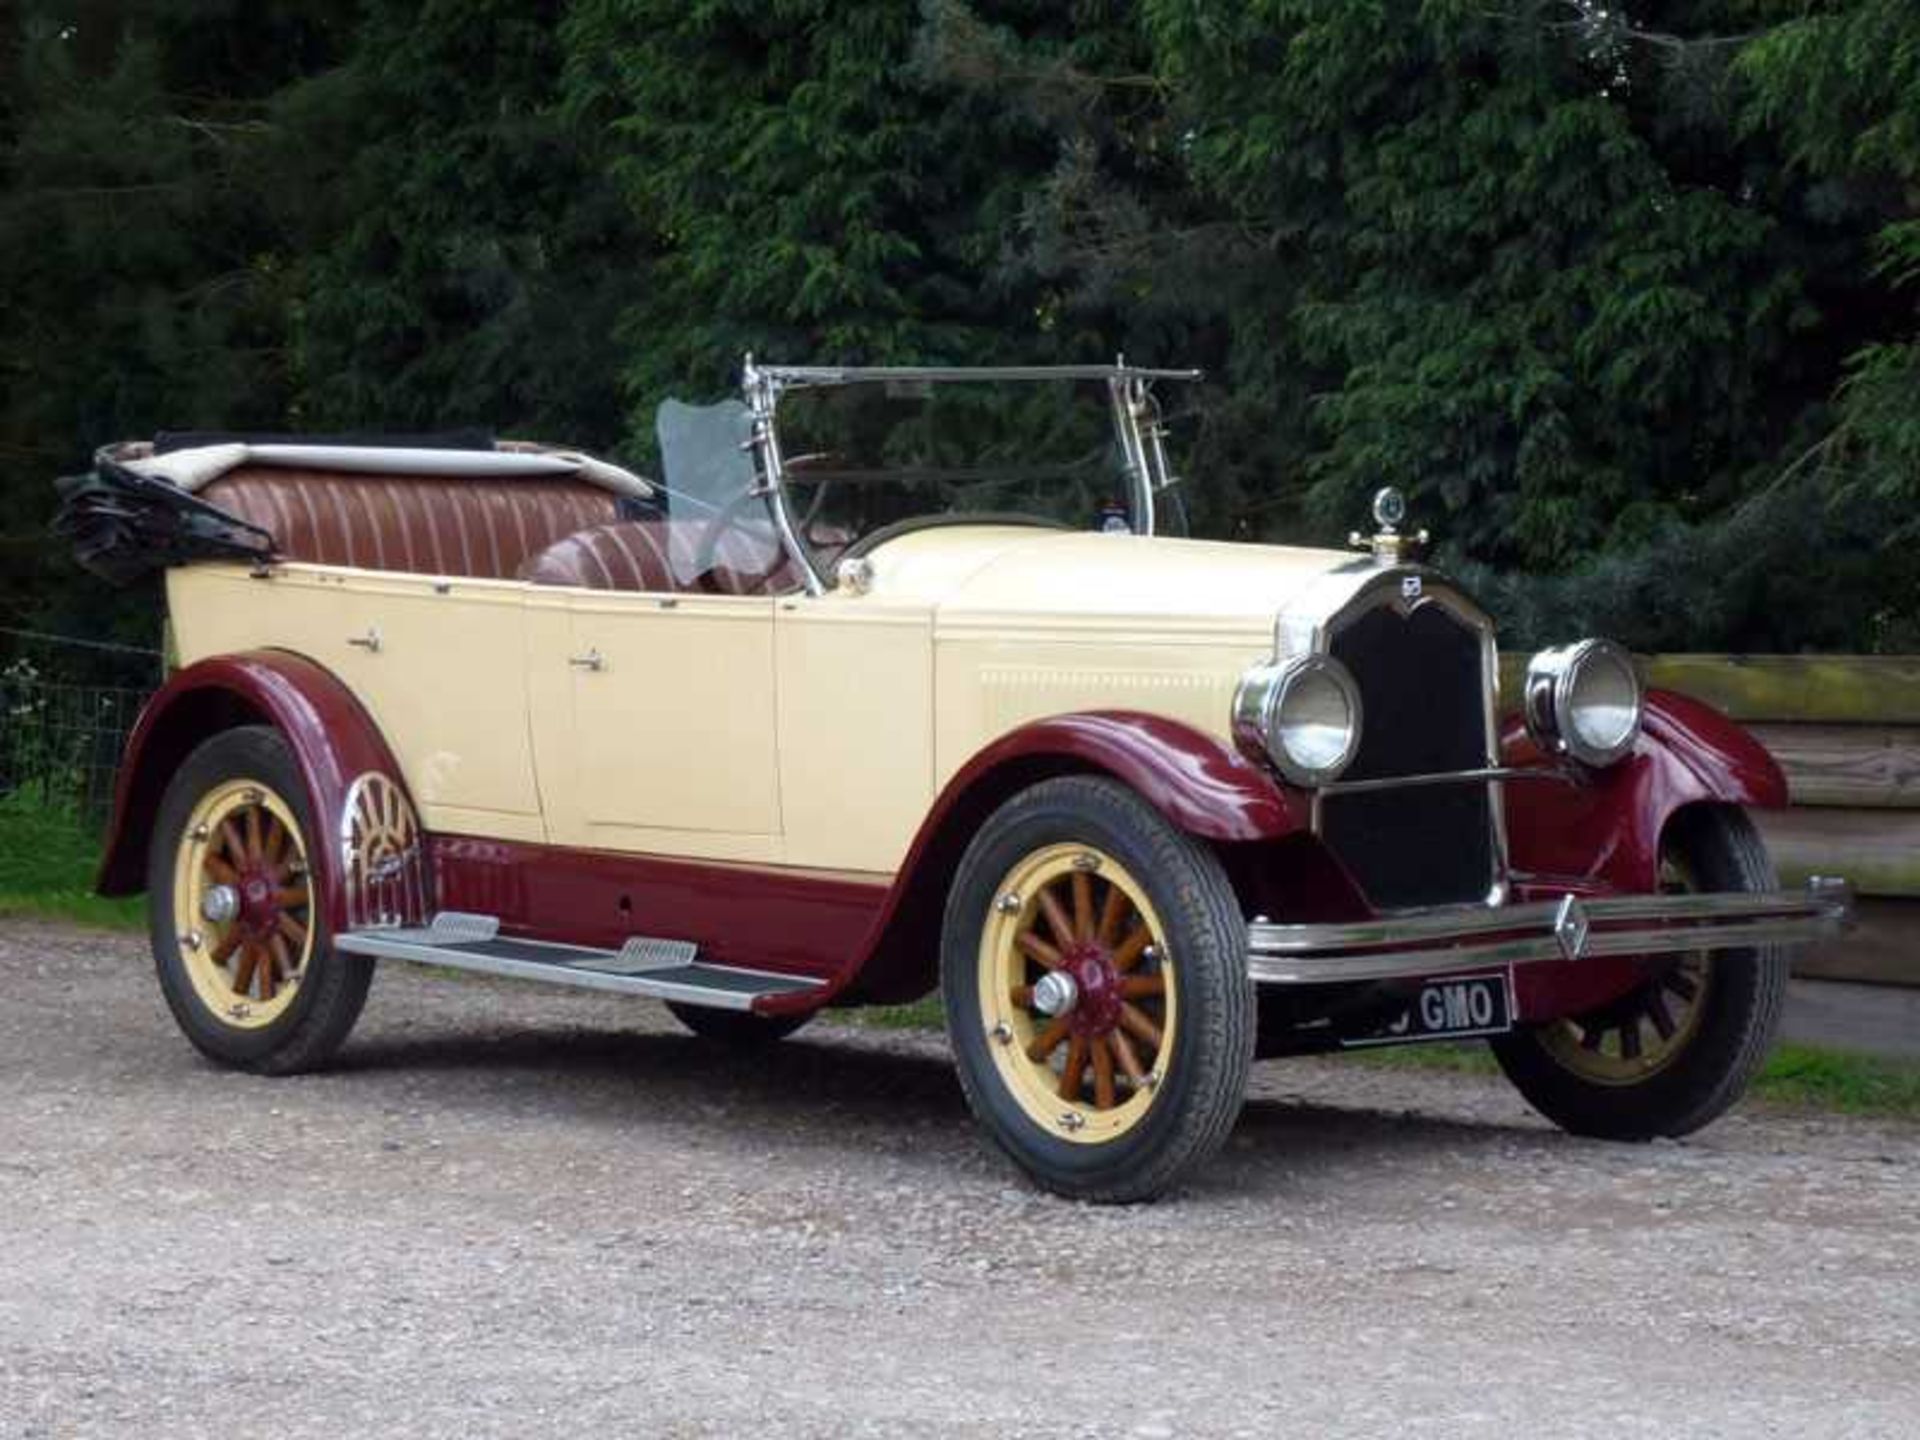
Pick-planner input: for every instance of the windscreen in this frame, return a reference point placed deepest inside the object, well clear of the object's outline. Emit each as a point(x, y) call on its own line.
point(708, 467)
point(868, 457)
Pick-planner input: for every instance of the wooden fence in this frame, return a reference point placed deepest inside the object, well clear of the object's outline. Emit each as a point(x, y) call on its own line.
point(1846, 729)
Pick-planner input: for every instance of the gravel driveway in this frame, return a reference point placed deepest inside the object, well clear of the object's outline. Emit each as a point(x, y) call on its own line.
point(516, 1212)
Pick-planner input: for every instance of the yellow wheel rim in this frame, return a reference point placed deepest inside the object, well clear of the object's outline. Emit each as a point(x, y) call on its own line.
point(1645, 1031)
point(1086, 1071)
point(243, 903)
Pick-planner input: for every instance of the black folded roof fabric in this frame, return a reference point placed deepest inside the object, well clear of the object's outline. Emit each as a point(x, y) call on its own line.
point(124, 524)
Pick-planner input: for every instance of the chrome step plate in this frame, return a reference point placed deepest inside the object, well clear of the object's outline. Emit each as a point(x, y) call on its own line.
point(644, 966)
point(639, 956)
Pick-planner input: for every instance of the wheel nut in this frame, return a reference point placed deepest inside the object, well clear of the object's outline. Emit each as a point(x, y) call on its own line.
point(1055, 993)
point(1008, 904)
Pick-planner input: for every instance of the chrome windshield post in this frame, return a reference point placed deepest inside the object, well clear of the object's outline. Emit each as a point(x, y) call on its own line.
point(1154, 433)
point(762, 390)
point(1142, 437)
point(1128, 392)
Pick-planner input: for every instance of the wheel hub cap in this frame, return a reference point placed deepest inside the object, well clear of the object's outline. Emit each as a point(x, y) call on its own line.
point(1055, 993)
point(221, 904)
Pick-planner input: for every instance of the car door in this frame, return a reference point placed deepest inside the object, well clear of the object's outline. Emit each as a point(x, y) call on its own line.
point(653, 720)
point(425, 656)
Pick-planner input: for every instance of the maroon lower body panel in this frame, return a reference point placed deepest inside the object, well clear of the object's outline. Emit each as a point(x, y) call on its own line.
point(1551, 990)
point(817, 924)
point(794, 921)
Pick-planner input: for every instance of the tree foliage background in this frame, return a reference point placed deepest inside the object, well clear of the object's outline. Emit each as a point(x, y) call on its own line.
point(1622, 292)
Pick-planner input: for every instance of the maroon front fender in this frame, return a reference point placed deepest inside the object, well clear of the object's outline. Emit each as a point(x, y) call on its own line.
point(1607, 829)
point(333, 740)
point(1200, 784)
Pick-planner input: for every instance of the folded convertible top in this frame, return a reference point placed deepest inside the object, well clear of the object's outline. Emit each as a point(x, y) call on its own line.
point(138, 511)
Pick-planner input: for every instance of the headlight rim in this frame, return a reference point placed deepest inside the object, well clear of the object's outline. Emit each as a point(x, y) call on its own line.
point(1551, 689)
point(1257, 705)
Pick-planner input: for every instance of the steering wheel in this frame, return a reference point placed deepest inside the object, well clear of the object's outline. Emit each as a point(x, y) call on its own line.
point(798, 466)
point(706, 549)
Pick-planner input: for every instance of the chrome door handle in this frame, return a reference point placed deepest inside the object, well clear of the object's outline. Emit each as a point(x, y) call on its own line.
point(592, 660)
point(370, 642)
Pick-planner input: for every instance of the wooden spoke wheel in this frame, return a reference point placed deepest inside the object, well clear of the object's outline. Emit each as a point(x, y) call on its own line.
point(1078, 991)
point(1646, 1030)
point(1682, 1045)
point(244, 897)
point(1094, 967)
point(238, 925)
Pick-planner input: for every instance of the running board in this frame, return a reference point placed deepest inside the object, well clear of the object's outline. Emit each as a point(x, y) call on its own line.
point(657, 969)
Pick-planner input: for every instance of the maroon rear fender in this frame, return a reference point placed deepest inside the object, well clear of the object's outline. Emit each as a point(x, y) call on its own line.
point(1200, 784)
point(335, 744)
point(1608, 829)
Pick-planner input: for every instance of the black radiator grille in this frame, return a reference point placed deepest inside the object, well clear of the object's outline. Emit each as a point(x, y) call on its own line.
point(1423, 697)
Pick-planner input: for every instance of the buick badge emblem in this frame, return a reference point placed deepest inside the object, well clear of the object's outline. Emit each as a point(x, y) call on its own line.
point(1409, 587)
point(1571, 927)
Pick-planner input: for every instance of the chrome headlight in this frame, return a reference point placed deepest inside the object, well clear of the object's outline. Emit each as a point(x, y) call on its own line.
point(1583, 700)
point(1302, 714)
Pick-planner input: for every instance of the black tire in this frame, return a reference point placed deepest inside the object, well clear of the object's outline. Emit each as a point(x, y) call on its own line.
point(736, 1029)
point(1718, 1058)
point(332, 987)
point(1193, 1107)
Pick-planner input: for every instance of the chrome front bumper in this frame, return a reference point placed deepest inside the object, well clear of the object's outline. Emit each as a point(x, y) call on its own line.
point(1449, 941)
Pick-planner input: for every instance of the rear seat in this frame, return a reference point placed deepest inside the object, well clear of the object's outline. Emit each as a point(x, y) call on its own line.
point(479, 528)
point(544, 531)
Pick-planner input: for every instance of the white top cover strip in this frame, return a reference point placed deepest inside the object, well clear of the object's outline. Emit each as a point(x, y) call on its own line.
point(193, 469)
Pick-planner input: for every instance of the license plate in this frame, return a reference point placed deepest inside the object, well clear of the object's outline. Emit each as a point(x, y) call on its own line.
point(1455, 1008)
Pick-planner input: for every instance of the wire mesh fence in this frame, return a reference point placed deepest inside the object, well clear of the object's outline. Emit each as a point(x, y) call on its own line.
point(66, 707)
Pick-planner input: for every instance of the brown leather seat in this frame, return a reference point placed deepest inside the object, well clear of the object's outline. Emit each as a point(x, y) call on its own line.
point(627, 555)
point(548, 532)
point(429, 525)
point(652, 555)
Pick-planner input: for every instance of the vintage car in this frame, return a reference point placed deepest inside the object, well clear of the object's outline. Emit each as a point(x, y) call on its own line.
point(782, 732)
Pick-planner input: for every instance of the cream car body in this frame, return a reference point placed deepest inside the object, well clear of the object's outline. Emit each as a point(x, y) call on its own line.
point(808, 731)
